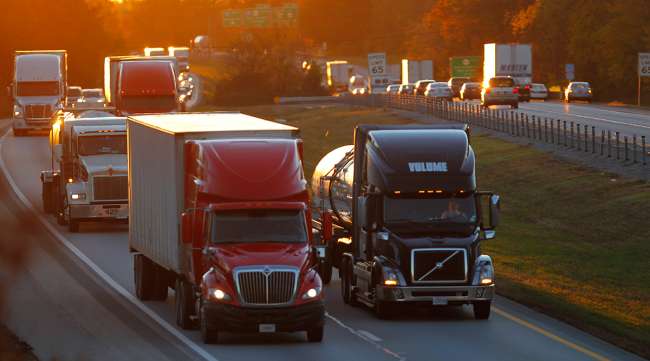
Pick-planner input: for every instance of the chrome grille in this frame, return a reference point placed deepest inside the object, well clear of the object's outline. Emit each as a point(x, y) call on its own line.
point(266, 286)
point(38, 111)
point(110, 188)
point(439, 265)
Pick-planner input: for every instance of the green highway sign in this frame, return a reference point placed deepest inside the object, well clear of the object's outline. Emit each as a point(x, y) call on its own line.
point(465, 66)
point(261, 16)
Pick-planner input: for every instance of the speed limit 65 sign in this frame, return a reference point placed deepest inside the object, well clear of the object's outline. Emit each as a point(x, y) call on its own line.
point(644, 64)
point(377, 64)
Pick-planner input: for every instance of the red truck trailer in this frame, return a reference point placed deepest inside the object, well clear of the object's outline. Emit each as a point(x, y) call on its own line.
point(146, 86)
point(219, 211)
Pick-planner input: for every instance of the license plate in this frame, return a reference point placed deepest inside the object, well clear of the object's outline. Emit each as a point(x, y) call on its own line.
point(439, 301)
point(266, 327)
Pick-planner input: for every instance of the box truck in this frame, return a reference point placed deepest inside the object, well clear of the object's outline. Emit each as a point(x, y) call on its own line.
point(338, 75)
point(514, 60)
point(219, 211)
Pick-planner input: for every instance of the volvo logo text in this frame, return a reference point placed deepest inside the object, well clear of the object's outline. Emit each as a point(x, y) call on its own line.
point(428, 167)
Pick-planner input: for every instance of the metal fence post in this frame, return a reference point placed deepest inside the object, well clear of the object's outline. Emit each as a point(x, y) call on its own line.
point(552, 132)
point(578, 135)
point(634, 148)
point(564, 131)
point(602, 142)
point(539, 128)
point(643, 149)
point(593, 140)
point(609, 144)
point(617, 145)
point(626, 156)
point(571, 140)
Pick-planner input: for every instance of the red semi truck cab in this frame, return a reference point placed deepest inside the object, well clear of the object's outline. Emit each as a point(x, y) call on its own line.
point(146, 86)
point(220, 209)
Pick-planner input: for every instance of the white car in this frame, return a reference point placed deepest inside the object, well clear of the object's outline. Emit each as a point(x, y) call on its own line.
point(92, 97)
point(500, 90)
point(439, 90)
point(578, 91)
point(392, 89)
point(538, 91)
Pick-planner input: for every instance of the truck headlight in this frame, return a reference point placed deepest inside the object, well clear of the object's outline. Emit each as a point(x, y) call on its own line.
point(311, 293)
point(18, 111)
point(393, 277)
point(218, 295)
point(484, 271)
point(78, 196)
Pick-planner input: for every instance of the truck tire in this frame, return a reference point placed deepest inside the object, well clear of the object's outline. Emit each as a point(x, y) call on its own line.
point(385, 310)
point(184, 304)
point(73, 225)
point(160, 283)
point(208, 335)
point(46, 195)
point(482, 309)
point(345, 273)
point(315, 334)
point(142, 274)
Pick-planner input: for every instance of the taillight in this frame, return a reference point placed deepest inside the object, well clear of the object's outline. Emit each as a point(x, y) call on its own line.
point(515, 90)
point(527, 87)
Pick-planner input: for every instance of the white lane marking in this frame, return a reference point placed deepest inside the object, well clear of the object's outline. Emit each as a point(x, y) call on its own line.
point(370, 335)
point(587, 117)
point(366, 336)
point(90, 264)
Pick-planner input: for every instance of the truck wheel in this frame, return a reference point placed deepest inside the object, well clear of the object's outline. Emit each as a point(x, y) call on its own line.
point(346, 283)
point(482, 309)
point(46, 196)
point(315, 334)
point(184, 304)
point(60, 218)
point(160, 284)
point(142, 277)
point(73, 225)
point(384, 310)
point(208, 335)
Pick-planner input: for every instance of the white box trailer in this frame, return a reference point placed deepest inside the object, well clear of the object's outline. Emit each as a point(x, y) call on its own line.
point(413, 70)
point(515, 60)
point(157, 174)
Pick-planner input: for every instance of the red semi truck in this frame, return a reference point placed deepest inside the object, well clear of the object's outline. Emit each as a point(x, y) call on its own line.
point(219, 211)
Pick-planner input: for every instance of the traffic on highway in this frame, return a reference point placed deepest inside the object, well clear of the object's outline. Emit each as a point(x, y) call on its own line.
point(168, 217)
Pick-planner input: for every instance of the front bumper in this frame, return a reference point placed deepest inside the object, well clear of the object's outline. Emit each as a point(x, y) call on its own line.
point(99, 212)
point(501, 99)
point(286, 319)
point(452, 294)
point(31, 124)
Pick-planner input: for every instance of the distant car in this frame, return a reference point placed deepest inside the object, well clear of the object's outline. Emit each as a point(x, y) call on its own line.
point(523, 89)
point(406, 89)
point(578, 91)
point(92, 96)
point(501, 90)
point(538, 91)
point(94, 114)
point(456, 83)
point(470, 91)
point(72, 95)
point(439, 90)
point(392, 89)
point(359, 91)
point(421, 86)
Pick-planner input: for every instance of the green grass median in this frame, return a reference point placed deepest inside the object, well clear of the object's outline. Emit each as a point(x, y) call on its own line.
point(573, 242)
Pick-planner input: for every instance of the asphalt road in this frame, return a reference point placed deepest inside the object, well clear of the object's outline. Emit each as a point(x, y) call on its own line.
point(77, 300)
point(627, 120)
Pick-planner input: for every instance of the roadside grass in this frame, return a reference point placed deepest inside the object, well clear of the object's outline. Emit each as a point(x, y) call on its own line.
point(573, 242)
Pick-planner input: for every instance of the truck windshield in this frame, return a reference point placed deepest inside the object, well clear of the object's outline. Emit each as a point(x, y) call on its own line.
point(431, 211)
point(258, 226)
point(148, 104)
point(37, 88)
point(102, 144)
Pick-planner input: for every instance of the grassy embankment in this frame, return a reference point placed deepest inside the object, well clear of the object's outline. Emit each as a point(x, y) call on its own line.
point(573, 242)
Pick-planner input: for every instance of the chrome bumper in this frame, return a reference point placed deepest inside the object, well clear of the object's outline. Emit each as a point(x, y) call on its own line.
point(453, 294)
point(34, 124)
point(113, 211)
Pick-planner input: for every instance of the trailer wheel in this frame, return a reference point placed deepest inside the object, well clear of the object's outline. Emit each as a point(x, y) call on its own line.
point(18, 132)
point(208, 335)
point(160, 283)
point(46, 192)
point(315, 334)
point(73, 225)
point(184, 304)
point(482, 309)
point(345, 273)
point(142, 277)
point(60, 213)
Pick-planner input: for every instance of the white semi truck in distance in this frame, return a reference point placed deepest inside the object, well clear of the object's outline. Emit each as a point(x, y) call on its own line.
point(514, 60)
point(182, 55)
point(38, 89)
point(338, 75)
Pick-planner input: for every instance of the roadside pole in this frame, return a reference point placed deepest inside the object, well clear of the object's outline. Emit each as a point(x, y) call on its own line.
point(643, 72)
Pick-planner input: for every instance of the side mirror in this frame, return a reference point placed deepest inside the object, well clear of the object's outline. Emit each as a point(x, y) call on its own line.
point(326, 225)
point(58, 151)
point(495, 210)
point(186, 227)
point(320, 251)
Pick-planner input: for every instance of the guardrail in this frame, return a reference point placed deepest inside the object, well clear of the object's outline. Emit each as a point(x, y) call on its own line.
point(630, 149)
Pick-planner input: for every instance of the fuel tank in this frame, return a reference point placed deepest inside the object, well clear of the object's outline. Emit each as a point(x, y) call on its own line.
point(332, 184)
